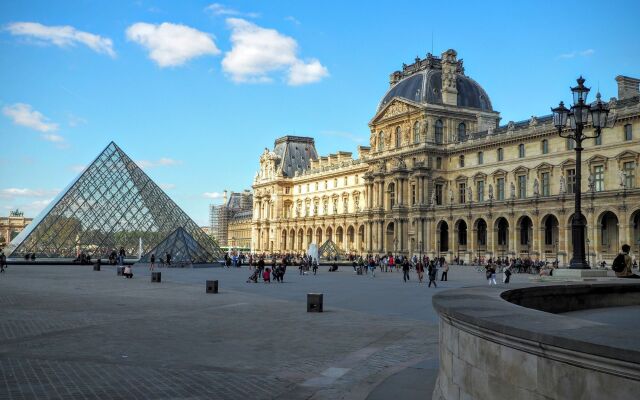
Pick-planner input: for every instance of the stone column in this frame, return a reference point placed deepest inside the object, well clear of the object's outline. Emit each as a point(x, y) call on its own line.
point(513, 246)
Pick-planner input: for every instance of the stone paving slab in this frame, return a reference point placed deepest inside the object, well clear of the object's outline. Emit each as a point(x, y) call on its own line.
point(69, 332)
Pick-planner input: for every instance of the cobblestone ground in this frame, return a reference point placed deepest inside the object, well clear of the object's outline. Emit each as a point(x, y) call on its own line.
point(68, 332)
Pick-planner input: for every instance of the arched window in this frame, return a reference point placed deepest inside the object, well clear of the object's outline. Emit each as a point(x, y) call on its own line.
point(398, 137)
point(462, 132)
point(438, 132)
point(521, 150)
point(416, 132)
point(381, 141)
point(500, 154)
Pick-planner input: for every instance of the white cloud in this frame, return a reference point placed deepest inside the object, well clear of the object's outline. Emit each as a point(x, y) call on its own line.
point(52, 137)
point(213, 195)
point(62, 36)
point(171, 45)
point(221, 9)
point(11, 193)
point(75, 121)
point(292, 19)
point(575, 53)
point(162, 162)
point(257, 52)
point(167, 186)
point(303, 73)
point(77, 168)
point(25, 115)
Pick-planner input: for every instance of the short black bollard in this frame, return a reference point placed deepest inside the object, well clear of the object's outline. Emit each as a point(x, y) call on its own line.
point(212, 286)
point(96, 267)
point(156, 277)
point(120, 271)
point(314, 302)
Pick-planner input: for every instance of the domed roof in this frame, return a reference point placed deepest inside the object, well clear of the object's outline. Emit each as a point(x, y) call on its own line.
point(426, 87)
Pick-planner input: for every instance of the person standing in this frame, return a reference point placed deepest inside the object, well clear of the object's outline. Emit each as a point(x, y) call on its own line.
point(315, 267)
point(433, 273)
point(507, 274)
point(121, 255)
point(405, 270)
point(392, 263)
point(3, 261)
point(420, 270)
point(153, 262)
point(445, 271)
point(491, 274)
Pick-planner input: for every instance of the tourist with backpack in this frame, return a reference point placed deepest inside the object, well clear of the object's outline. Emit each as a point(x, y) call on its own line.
point(622, 264)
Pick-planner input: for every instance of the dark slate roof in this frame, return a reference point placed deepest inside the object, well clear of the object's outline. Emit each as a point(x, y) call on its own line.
point(296, 153)
point(426, 87)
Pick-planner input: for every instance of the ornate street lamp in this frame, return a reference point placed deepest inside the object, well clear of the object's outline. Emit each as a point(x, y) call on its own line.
point(578, 118)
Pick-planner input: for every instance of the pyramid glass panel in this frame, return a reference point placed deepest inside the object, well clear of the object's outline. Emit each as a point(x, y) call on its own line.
point(182, 247)
point(111, 205)
point(328, 251)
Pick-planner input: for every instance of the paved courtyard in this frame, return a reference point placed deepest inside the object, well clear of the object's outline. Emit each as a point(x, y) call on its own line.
point(70, 332)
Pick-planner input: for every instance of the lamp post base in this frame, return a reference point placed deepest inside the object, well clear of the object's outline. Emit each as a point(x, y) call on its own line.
point(578, 227)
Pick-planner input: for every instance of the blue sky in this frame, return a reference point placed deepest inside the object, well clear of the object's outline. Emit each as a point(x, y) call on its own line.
point(195, 90)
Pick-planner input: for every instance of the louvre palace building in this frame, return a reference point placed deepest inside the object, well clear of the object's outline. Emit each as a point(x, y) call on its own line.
point(442, 176)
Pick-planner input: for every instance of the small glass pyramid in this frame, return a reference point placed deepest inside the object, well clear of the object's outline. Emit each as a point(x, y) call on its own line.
point(328, 250)
point(182, 247)
point(112, 204)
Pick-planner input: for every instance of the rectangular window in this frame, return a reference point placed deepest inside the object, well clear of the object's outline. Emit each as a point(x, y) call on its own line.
point(500, 154)
point(307, 188)
point(438, 194)
point(346, 181)
point(413, 194)
point(317, 186)
point(521, 150)
point(628, 132)
point(597, 140)
point(571, 144)
point(500, 188)
point(546, 184)
point(355, 178)
point(522, 186)
point(438, 162)
point(571, 181)
point(461, 161)
point(598, 178)
point(480, 190)
point(545, 146)
point(629, 169)
point(480, 158)
point(286, 190)
point(462, 192)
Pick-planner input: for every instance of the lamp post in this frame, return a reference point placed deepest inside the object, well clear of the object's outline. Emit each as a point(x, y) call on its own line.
point(555, 244)
point(578, 118)
point(588, 255)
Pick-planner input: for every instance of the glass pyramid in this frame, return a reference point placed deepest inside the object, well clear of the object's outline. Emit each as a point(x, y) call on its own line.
point(182, 247)
point(328, 250)
point(111, 204)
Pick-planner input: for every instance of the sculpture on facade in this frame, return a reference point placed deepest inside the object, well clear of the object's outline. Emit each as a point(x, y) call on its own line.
point(592, 183)
point(513, 191)
point(622, 178)
point(563, 185)
point(433, 198)
point(536, 187)
point(490, 192)
point(450, 196)
point(469, 194)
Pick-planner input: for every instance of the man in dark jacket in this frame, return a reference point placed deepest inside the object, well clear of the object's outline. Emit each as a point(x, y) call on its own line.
point(405, 269)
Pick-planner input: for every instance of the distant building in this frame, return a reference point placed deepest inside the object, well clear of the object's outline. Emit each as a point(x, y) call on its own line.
point(12, 225)
point(235, 209)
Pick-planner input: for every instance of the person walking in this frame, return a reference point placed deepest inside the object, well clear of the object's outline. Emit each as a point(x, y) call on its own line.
point(445, 271)
point(491, 274)
point(420, 271)
point(622, 264)
point(392, 263)
point(153, 262)
point(315, 267)
point(433, 273)
point(3, 261)
point(405, 270)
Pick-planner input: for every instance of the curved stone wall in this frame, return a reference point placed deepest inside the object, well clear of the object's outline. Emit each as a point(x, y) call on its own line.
point(491, 348)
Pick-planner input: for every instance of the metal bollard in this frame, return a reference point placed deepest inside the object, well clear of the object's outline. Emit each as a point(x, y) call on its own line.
point(314, 302)
point(212, 286)
point(120, 271)
point(156, 277)
point(96, 267)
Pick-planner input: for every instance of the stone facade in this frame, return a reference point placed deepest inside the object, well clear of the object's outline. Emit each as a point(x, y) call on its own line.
point(239, 231)
point(444, 177)
point(235, 208)
point(12, 225)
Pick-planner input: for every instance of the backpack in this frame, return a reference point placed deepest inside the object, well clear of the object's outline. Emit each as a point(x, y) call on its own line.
point(618, 263)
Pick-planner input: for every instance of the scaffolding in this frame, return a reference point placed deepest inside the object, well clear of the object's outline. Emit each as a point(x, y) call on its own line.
point(221, 215)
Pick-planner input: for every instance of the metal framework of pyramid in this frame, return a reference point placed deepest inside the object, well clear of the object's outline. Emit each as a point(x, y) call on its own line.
point(112, 204)
point(182, 247)
point(328, 250)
